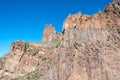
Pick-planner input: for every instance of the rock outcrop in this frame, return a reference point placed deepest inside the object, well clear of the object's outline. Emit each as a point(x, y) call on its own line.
point(88, 48)
point(49, 34)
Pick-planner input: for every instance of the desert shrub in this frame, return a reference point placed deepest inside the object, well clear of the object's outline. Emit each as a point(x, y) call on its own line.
point(57, 44)
point(27, 45)
point(15, 79)
point(99, 12)
point(34, 75)
point(31, 73)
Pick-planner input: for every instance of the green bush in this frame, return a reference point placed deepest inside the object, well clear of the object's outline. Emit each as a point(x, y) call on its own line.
point(31, 73)
point(27, 45)
point(15, 79)
point(56, 45)
point(34, 75)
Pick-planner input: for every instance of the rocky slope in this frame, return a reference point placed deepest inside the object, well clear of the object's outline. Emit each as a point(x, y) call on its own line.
point(88, 48)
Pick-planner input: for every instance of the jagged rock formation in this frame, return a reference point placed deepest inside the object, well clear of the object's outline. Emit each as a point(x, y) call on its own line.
point(49, 34)
point(87, 49)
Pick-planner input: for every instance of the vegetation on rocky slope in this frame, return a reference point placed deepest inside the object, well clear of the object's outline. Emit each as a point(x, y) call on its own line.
point(88, 48)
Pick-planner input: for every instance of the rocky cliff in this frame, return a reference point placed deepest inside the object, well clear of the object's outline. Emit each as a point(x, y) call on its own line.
point(88, 48)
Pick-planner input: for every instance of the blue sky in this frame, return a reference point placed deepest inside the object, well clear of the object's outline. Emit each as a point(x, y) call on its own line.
point(25, 19)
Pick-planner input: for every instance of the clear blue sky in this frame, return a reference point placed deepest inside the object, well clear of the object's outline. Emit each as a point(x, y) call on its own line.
point(25, 19)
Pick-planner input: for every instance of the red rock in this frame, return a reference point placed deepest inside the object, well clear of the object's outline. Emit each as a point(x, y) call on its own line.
point(87, 49)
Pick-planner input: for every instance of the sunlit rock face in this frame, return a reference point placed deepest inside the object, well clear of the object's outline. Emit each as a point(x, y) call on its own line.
point(88, 48)
point(49, 34)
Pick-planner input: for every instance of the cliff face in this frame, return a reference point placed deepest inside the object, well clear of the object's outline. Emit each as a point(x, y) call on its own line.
point(88, 48)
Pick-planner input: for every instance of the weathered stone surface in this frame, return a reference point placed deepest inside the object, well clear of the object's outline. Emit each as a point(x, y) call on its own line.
point(49, 34)
point(87, 49)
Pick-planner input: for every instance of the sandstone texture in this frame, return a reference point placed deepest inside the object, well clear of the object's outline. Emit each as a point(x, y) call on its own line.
point(88, 48)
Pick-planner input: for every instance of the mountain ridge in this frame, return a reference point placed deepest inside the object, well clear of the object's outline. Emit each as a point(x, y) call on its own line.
point(88, 48)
